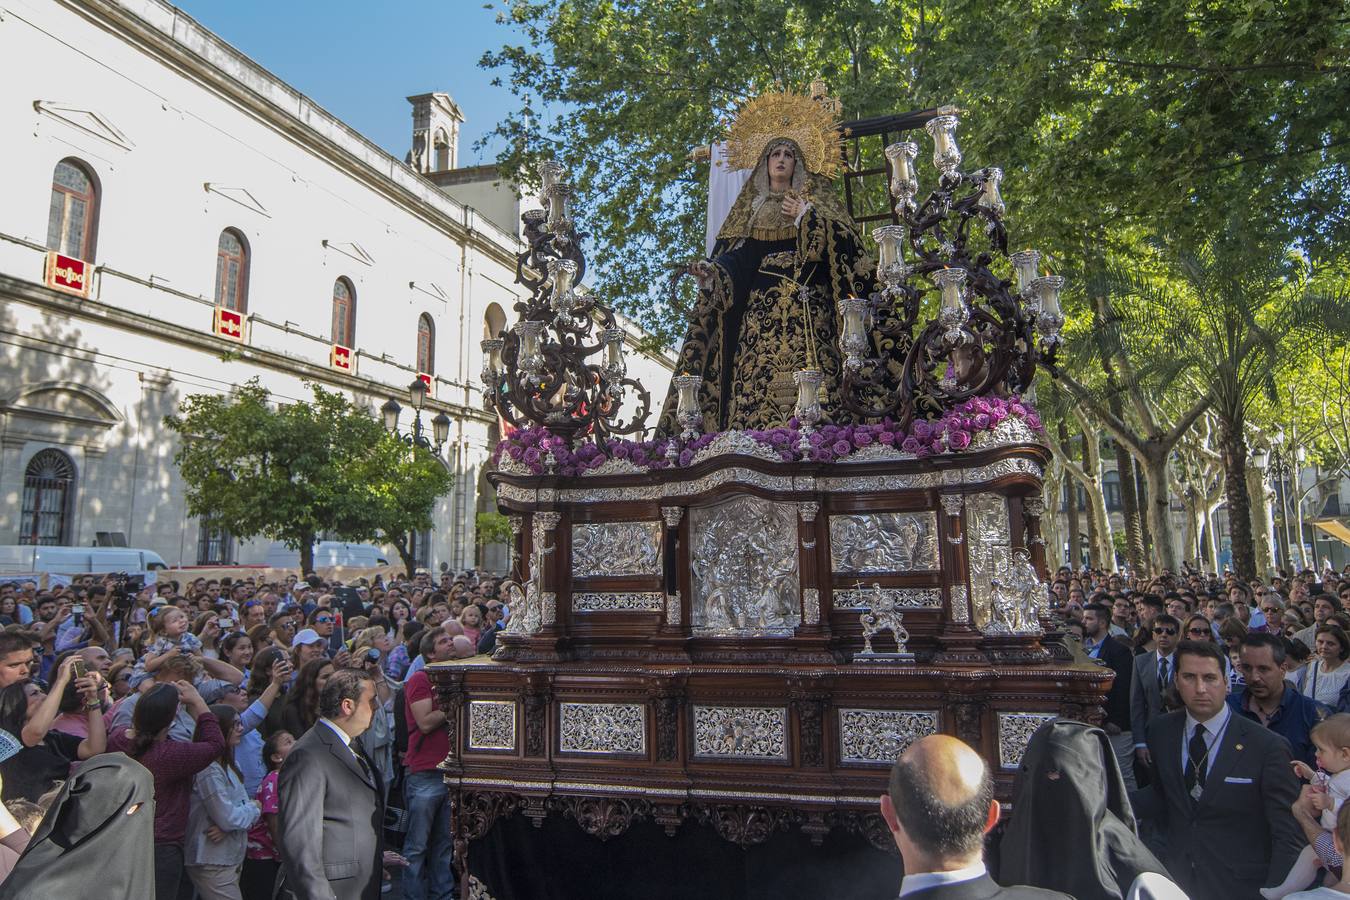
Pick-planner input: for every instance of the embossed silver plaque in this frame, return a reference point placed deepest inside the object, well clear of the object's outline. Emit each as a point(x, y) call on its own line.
point(884, 542)
point(602, 728)
point(744, 556)
point(879, 736)
point(987, 530)
point(757, 732)
point(1014, 732)
point(492, 725)
point(905, 598)
point(616, 548)
point(626, 601)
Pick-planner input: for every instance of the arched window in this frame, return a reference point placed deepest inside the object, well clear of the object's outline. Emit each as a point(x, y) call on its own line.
point(73, 220)
point(344, 313)
point(48, 489)
point(442, 145)
point(232, 271)
point(426, 345)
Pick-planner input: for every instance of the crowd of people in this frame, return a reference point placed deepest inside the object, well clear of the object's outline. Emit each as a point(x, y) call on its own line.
point(210, 686)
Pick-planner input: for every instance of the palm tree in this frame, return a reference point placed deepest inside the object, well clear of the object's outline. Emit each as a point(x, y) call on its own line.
point(1228, 316)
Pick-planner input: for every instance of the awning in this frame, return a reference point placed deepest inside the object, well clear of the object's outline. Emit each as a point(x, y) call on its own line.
point(1337, 528)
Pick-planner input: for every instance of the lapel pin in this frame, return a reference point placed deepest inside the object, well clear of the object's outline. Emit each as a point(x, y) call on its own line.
point(1239, 746)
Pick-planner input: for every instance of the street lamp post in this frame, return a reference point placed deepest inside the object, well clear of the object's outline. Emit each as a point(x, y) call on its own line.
point(417, 397)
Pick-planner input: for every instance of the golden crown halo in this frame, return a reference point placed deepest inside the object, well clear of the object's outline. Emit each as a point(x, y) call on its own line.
point(811, 122)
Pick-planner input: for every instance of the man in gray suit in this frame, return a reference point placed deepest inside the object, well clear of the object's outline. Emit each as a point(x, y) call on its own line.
point(331, 818)
point(1223, 788)
point(1153, 674)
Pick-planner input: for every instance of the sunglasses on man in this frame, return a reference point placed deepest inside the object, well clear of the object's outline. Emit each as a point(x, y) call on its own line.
point(1164, 629)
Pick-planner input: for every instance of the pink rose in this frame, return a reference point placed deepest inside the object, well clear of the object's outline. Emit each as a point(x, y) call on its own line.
point(958, 440)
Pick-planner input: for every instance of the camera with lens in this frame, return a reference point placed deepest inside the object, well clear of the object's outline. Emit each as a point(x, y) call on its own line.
point(123, 589)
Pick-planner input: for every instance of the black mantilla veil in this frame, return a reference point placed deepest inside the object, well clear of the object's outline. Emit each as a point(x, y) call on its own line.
point(770, 308)
point(1072, 827)
point(97, 838)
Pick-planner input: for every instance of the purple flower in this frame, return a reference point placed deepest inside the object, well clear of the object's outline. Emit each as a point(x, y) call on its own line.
point(568, 470)
point(910, 445)
point(816, 439)
point(1017, 409)
point(841, 448)
point(686, 457)
point(886, 437)
point(1034, 422)
point(958, 440)
point(778, 437)
point(515, 452)
point(921, 430)
point(622, 451)
point(983, 405)
point(981, 422)
point(531, 456)
point(998, 415)
point(821, 454)
point(861, 438)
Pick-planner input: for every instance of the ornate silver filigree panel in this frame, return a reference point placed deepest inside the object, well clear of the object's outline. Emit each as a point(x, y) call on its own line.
point(602, 728)
point(627, 601)
point(492, 725)
point(905, 598)
point(673, 608)
point(616, 548)
point(884, 542)
point(1014, 731)
point(879, 736)
point(735, 732)
point(811, 606)
point(960, 603)
point(986, 529)
point(744, 556)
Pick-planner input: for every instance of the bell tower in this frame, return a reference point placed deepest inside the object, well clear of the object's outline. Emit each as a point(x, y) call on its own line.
point(435, 143)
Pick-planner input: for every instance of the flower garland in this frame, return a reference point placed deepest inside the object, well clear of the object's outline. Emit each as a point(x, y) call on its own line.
point(538, 450)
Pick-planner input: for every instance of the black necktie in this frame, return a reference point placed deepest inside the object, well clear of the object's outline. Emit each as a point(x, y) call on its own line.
point(360, 758)
point(1196, 752)
point(1162, 675)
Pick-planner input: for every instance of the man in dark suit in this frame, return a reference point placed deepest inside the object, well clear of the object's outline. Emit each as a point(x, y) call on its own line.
point(1223, 788)
point(331, 818)
point(1153, 675)
point(939, 807)
point(1101, 646)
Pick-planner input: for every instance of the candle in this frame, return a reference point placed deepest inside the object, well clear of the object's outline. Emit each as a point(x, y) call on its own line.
point(492, 359)
point(904, 182)
point(888, 245)
point(613, 338)
point(528, 332)
point(853, 338)
point(558, 219)
point(550, 173)
point(687, 411)
point(990, 197)
point(561, 272)
point(807, 410)
point(946, 154)
point(950, 280)
point(1024, 263)
point(1047, 289)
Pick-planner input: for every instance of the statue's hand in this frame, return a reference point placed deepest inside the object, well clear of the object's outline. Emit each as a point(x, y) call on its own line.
point(794, 207)
point(702, 271)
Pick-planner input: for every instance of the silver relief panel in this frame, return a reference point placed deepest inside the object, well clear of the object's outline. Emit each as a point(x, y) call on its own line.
point(884, 542)
point(744, 556)
point(904, 598)
point(733, 732)
point(492, 725)
point(626, 601)
point(616, 548)
point(987, 530)
point(602, 728)
point(879, 736)
point(1014, 732)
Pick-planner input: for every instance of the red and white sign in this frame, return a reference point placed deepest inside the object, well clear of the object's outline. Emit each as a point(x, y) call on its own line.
point(341, 358)
point(429, 382)
point(66, 273)
point(229, 323)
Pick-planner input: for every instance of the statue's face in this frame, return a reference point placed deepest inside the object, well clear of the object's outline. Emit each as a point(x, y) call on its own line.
point(782, 163)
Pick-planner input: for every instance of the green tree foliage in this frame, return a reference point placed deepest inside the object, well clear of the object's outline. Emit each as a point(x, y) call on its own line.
point(1173, 116)
point(294, 471)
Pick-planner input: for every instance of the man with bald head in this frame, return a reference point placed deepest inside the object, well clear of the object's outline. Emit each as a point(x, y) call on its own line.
point(939, 808)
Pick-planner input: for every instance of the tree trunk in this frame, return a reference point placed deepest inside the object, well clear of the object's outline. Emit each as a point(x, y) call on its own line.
point(1051, 492)
point(306, 554)
point(1075, 536)
point(1159, 526)
point(403, 544)
point(1103, 549)
point(1259, 500)
point(1129, 501)
point(1145, 529)
point(1211, 538)
point(1095, 558)
point(1234, 450)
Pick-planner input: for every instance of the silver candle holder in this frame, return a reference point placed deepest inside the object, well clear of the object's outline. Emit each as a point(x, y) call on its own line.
point(946, 153)
point(807, 409)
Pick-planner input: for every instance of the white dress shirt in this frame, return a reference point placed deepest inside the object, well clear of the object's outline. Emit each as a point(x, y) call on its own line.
point(343, 737)
point(1214, 729)
point(923, 881)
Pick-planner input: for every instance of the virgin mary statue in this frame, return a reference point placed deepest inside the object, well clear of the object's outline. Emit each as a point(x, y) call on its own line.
point(787, 252)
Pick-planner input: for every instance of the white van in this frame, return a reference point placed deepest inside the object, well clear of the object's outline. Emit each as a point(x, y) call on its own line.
point(328, 553)
point(78, 560)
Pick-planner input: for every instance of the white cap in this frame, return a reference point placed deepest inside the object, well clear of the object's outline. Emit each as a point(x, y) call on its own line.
point(306, 636)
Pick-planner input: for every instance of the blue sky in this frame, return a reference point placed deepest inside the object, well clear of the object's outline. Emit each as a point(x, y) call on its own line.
point(359, 60)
